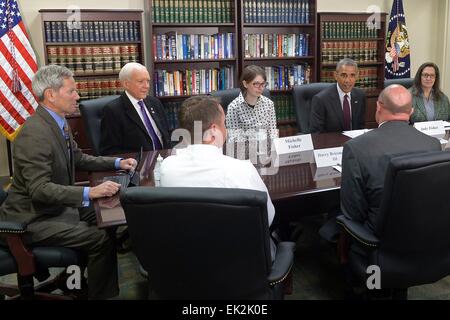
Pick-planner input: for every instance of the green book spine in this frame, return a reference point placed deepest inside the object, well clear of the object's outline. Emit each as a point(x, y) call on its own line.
point(195, 11)
point(191, 11)
point(155, 11)
point(176, 11)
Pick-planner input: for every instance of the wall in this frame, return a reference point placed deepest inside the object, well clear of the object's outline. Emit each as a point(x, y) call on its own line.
point(427, 23)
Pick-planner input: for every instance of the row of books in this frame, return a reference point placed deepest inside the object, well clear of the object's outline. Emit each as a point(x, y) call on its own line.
point(276, 45)
point(286, 77)
point(367, 77)
point(284, 107)
point(92, 31)
point(360, 51)
point(172, 108)
point(96, 88)
point(278, 11)
point(348, 30)
point(193, 11)
point(89, 60)
point(191, 82)
point(174, 46)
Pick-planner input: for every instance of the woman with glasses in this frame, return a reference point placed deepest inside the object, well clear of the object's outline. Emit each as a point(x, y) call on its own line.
point(251, 116)
point(429, 102)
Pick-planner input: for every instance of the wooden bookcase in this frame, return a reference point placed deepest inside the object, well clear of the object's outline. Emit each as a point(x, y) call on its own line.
point(280, 36)
point(96, 48)
point(344, 34)
point(193, 49)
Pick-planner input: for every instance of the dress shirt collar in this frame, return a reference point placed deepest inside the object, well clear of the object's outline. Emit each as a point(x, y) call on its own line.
point(133, 100)
point(201, 150)
point(241, 100)
point(59, 120)
point(342, 94)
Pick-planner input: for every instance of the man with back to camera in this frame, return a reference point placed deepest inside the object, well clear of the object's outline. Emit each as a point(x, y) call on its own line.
point(340, 107)
point(134, 119)
point(365, 159)
point(43, 194)
point(202, 163)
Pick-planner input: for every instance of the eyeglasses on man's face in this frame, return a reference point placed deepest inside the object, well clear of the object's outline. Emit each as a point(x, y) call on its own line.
point(428, 76)
point(259, 84)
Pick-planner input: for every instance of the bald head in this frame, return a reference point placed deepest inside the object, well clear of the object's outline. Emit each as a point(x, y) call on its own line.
point(394, 103)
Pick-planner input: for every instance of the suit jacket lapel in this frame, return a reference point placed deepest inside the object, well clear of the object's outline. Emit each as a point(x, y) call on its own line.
point(58, 135)
point(420, 106)
point(336, 106)
point(155, 115)
point(355, 103)
point(133, 115)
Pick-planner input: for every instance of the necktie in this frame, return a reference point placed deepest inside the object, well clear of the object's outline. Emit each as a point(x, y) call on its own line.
point(347, 116)
point(67, 138)
point(148, 124)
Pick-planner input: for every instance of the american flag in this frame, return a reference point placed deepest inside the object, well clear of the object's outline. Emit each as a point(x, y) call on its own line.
point(17, 67)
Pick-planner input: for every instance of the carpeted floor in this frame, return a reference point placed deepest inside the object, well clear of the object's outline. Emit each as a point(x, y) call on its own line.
point(316, 272)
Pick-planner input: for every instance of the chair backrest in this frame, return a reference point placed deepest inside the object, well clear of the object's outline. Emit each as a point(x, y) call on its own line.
point(406, 82)
point(3, 195)
point(226, 96)
point(201, 243)
point(415, 221)
point(303, 95)
point(91, 112)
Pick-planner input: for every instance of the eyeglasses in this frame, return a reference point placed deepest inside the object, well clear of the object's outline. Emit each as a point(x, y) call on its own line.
point(259, 84)
point(427, 75)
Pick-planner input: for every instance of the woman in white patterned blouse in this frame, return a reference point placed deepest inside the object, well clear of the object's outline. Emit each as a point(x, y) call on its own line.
point(251, 116)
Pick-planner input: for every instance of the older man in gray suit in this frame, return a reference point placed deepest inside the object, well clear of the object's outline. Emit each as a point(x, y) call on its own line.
point(43, 194)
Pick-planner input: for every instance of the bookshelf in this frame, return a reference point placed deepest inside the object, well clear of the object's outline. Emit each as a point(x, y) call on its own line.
point(193, 49)
point(344, 34)
point(280, 36)
point(96, 48)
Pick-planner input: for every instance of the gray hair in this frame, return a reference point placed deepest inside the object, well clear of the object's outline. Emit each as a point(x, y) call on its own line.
point(127, 70)
point(346, 62)
point(49, 77)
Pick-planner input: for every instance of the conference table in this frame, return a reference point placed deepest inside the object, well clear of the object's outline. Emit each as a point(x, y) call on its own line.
point(295, 188)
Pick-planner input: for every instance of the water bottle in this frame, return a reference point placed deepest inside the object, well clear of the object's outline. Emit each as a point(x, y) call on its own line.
point(157, 171)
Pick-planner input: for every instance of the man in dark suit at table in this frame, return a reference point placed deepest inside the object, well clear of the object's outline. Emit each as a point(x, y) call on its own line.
point(341, 107)
point(365, 158)
point(134, 119)
point(43, 195)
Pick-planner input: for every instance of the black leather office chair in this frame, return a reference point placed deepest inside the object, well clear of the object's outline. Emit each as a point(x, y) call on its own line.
point(226, 96)
point(413, 245)
point(91, 111)
point(406, 82)
point(31, 263)
point(303, 95)
point(205, 243)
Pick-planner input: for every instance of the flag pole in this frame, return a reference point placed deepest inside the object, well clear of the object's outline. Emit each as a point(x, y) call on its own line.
point(10, 164)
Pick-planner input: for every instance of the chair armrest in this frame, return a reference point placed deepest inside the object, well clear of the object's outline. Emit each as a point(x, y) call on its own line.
point(12, 227)
point(358, 231)
point(282, 265)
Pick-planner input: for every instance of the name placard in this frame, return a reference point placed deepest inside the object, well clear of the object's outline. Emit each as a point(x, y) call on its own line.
point(328, 157)
point(293, 144)
point(432, 128)
point(290, 159)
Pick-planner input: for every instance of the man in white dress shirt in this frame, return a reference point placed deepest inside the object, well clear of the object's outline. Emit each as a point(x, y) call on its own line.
point(202, 163)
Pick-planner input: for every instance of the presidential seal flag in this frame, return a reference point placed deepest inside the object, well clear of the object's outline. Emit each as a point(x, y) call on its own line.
point(398, 63)
point(17, 68)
